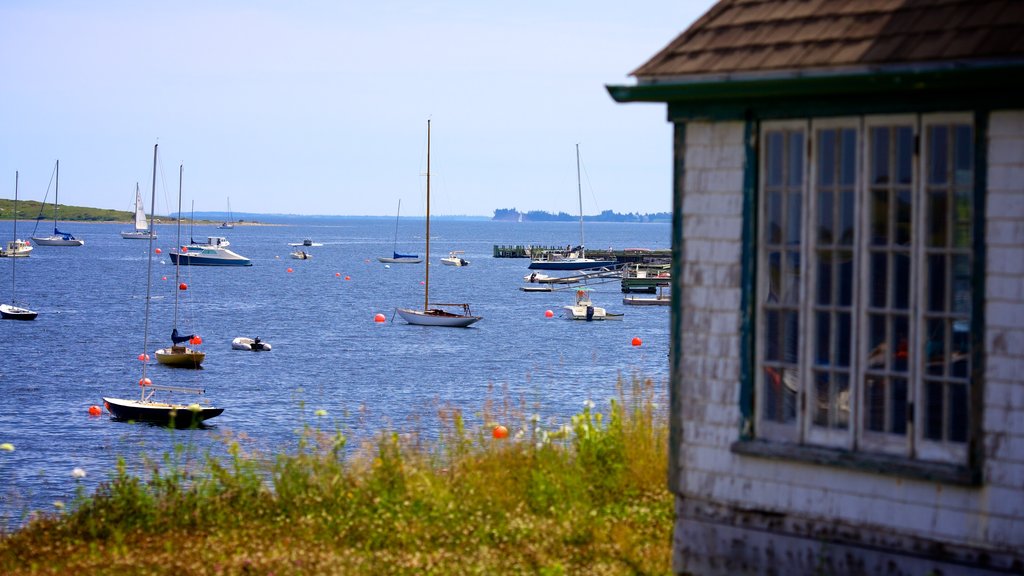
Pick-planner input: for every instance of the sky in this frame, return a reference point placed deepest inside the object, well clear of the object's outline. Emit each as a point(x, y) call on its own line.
point(321, 107)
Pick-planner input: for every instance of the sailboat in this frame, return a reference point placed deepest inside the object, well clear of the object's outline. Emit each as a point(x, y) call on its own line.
point(177, 354)
point(146, 409)
point(436, 316)
point(141, 231)
point(399, 258)
point(229, 223)
point(577, 258)
point(16, 248)
point(58, 238)
point(12, 311)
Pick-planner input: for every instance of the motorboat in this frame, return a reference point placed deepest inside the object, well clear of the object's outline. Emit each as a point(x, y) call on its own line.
point(584, 309)
point(453, 259)
point(16, 248)
point(307, 243)
point(209, 254)
point(253, 344)
point(301, 255)
point(58, 238)
point(141, 229)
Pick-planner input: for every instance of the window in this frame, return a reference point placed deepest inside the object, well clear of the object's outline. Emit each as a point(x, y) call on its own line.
point(864, 291)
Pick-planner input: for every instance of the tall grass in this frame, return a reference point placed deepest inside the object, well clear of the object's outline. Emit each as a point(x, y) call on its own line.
point(584, 497)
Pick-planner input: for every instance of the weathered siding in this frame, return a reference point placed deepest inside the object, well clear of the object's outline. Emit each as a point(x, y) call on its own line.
point(740, 513)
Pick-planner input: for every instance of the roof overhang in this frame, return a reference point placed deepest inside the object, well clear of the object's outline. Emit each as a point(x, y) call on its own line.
point(734, 95)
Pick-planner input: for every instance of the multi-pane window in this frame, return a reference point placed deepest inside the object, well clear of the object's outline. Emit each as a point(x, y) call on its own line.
point(865, 231)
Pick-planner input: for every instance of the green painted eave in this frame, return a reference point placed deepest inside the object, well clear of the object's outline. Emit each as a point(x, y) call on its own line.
point(991, 85)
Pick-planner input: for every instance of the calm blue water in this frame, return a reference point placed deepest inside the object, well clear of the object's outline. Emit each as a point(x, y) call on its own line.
point(328, 352)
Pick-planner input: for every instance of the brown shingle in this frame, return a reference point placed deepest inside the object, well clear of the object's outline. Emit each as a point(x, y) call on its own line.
point(752, 35)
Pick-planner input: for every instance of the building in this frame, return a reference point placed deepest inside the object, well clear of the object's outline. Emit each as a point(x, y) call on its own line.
point(847, 391)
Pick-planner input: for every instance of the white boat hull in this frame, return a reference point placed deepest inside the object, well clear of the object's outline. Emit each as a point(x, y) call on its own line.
point(589, 313)
point(436, 317)
point(243, 343)
point(134, 235)
point(387, 260)
point(57, 241)
point(16, 249)
point(210, 257)
point(301, 255)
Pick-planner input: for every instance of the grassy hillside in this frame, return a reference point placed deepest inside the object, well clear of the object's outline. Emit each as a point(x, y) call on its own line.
point(29, 210)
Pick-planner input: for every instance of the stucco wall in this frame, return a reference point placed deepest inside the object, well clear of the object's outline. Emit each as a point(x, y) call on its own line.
point(733, 509)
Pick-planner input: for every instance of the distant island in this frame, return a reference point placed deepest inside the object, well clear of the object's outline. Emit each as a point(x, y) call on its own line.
point(513, 215)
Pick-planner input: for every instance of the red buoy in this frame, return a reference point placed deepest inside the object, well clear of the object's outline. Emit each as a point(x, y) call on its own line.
point(94, 410)
point(195, 341)
point(499, 432)
point(379, 318)
point(289, 270)
point(143, 357)
point(184, 248)
point(337, 274)
point(637, 341)
point(182, 286)
point(548, 313)
point(145, 382)
point(348, 277)
point(159, 251)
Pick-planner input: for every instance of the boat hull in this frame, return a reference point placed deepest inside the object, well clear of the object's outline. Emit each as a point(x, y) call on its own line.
point(454, 262)
point(387, 260)
point(202, 260)
point(164, 414)
point(589, 313)
point(138, 235)
point(569, 264)
point(436, 317)
point(640, 301)
point(9, 312)
point(180, 357)
point(243, 343)
point(57, 241)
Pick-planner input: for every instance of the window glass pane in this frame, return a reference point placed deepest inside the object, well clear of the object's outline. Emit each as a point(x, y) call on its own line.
point(903, 214)
point(901, 281)
point(774, 265)
point(826, 225)
point(848, 157)
point(936, 282)
point(964, 150)
point(791, 331)
point(846, 217)
point(901, 336)
point(823, 401)
point(846, 279)
point(879, 155)
point(879, 217)
point(826, 157)
point(961, 303)
point(938, 218)
point(844, 340)
point(822, 339)
point(962, 218)
point(791, 280)
point(774, 150)
point(935, 347)
point(898, 415)
point(780, 394)
point(773, 218)
point(958, 405)
point(795, 159)
point(878, 342)
point(904, 155)
point(794, 207)
point(879, 279)
point(934, 404)
point(875, 403)
point(824, 277)
point(842, 382)
point(772, 336)
point(938, 160)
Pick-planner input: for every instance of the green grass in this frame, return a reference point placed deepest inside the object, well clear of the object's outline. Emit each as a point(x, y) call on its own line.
point(585, 497)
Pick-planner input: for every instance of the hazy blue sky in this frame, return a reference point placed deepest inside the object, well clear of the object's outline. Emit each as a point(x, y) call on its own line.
point(320, 107)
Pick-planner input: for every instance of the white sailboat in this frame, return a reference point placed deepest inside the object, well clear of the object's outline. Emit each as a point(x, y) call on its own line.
point(141, 231)
point(230, 222)
point(397, 258)
point(177, 354)
point(146, 409)
point(577, 258)
point(436, 316)
point(58, 238)
point(12, 311)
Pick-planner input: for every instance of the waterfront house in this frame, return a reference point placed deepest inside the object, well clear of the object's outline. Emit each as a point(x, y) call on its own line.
point(847, 379)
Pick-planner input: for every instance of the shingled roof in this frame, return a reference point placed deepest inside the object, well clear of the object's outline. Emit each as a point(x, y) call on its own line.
point(737, 37)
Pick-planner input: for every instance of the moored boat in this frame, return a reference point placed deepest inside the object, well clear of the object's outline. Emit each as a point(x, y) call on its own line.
point(141, 229)
point(584, 309)
point(58, 238)
point(252, 344)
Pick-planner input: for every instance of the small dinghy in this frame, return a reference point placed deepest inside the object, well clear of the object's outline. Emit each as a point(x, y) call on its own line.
point(301, 255)
point(253, 344)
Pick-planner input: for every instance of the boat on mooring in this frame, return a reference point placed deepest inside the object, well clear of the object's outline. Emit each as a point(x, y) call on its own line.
point(141, 230)
point(145, 408)
point(58, 238)
point(13, 311)
point(584, 309)
point(212, 253)
point(396, 257)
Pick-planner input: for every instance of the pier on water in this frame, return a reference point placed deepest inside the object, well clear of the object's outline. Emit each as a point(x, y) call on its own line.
point(625, 256)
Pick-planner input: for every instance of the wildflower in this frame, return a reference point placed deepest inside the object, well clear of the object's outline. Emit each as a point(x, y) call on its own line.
point(7, 446)
point(59, 505)
point(535, 418)
point(78, 473)
point(588, 404)
point(320, 412)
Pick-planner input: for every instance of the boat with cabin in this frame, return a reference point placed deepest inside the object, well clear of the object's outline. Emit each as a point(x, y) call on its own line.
point(58, 238)
point(453, 259)
point(584, 309)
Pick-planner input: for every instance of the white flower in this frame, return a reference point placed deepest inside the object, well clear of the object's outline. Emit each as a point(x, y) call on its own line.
point(588, 404)
point(78, 473)
point(59, 505)
point(535, 418)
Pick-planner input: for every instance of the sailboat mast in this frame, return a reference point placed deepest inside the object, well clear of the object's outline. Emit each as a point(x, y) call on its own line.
point(394, 249)
point(56, 195)
point(426, 265)
point(181, 171)
point(14, 247)
point(149, 277)
point(579, 191)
